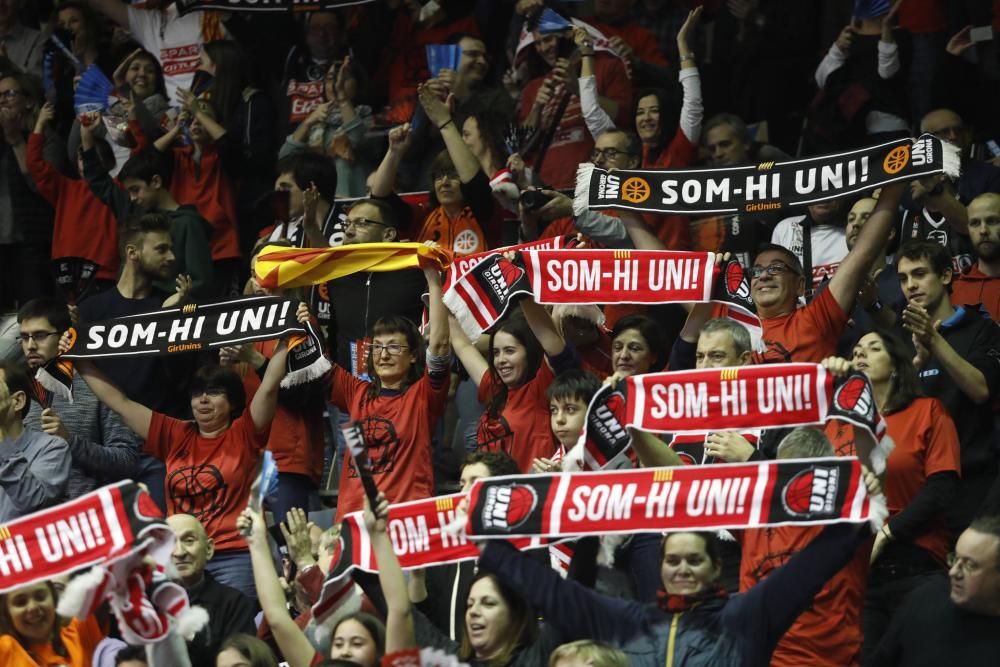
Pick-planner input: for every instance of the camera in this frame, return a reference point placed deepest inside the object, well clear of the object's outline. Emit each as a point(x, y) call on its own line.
point(532, 200)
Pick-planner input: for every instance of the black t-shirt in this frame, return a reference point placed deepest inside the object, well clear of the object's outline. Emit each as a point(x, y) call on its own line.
point(145, 379)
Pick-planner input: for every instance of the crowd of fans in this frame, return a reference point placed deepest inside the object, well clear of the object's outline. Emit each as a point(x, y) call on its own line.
point(220, 132)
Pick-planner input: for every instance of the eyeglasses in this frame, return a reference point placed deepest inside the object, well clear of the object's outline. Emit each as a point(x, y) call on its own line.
point(966, 565)
point(777, 268)
point(10, 94)
point(394, 349)
point(212, 392)
point(362, 222)
point(39, 337)
point(607, 153)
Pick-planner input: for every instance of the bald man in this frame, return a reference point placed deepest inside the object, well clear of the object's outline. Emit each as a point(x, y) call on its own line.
point(980, 283)
point(229, 611)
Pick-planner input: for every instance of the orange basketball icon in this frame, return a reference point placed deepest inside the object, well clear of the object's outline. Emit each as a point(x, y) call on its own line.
point(897, 158)
point(635, 190)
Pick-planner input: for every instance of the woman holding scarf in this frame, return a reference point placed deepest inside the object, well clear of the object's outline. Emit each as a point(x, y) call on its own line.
point(212, 461)
point(921, 478)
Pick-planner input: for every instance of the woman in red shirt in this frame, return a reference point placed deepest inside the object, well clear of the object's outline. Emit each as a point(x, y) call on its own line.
point(513, 382)
point(398, 406)
point(921, 480)
point(212, 461)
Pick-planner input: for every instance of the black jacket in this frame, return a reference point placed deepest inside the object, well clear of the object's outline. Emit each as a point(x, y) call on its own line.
point(229, 612)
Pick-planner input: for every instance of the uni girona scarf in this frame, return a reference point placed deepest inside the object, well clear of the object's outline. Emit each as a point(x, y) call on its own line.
point(282, 268)
point(726, 496)
point(118, 531)
point(767, 186)
point(190, 328)
point(739, 398)
point(484, 293)
point(421, 535)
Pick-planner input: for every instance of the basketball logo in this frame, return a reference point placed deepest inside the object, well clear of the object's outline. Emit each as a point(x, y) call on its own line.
point(855, 396)
point(466, 241)
point(897, 158)
point(736, 283)
point(811, 493)
point(145, 508)
point(635, 190)
point(508, 506)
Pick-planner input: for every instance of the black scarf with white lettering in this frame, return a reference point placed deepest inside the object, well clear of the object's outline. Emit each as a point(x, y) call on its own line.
point(193, 327)
point(768, 186)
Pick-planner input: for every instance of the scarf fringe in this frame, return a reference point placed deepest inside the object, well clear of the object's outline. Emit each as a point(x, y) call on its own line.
point(581, 196)
point(951, 160)
point(51, 384)
point(190, 621)
point(323, 631)
point(81, 593)
point(878, 512)
point(880, 454)
point(313, 371)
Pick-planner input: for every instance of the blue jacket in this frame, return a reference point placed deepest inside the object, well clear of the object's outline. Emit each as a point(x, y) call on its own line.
point(740, 630)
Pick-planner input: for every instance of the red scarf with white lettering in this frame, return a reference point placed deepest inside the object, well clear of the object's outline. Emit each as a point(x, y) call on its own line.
point(739, 398)
point(727, 496)
point(118, 532)
point(484, 293)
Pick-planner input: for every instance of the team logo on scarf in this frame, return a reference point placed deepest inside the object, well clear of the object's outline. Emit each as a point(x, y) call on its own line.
point(811, 492)
point(509, 506)
point(74, 277)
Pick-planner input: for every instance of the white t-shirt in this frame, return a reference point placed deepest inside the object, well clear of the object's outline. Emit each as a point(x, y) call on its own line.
point(176, 40)
point(829, 245)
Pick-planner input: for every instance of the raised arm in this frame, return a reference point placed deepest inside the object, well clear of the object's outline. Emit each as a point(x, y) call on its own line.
point(135, 415)
point(438, 343)
point(399, 632)
point(653, 452)
point(871, 240)
point(265, 401)
point(292, 642)
point(642, 237)
point(474, 362)
point(543, 327)
point(439, 113)
point(382, 183)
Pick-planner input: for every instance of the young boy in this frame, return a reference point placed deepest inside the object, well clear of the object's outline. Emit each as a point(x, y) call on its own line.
point(569, 395)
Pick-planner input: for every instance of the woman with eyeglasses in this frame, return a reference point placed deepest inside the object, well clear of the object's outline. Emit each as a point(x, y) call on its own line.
point(336, 127)
point(211, 461)
point(921, 478)
point(398, 404)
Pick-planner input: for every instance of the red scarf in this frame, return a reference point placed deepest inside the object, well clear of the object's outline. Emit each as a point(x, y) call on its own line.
point(677, 604)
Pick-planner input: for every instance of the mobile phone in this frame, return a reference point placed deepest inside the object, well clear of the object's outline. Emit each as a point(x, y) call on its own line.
point(981, 34)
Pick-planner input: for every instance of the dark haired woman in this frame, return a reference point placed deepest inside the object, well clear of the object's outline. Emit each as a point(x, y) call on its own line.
point(211, 462)
point(637, 346)
point(921, 479)
point(399, 405)
point(526, 352)
point(32, 634)
point(241, 650)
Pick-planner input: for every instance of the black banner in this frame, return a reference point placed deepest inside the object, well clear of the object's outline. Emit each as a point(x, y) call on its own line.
point(768, 186)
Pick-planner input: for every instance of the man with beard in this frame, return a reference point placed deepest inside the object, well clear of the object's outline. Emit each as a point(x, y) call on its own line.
point(103, 449)
point(980, 283)
point(147, 257)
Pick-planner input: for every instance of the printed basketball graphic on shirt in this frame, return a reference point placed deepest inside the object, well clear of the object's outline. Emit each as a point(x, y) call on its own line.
point(197, 490)
point(896, 160)
point(493, 435)
point(812, 493)
point(381, 446)
point(509, 506)
point(466, 242)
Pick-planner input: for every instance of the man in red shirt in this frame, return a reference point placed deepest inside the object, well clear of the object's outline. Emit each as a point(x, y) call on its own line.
point(810, 333)
point(980, 283)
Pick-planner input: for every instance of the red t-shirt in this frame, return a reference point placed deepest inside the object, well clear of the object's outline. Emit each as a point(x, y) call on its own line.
point(297, 439)
point(828, 633)
point(673, 230)
point(572, 143)
point(921, 16)
point(973, 286)
point(84, 226)
point(523, 429)
point(397, 428)
point(807, 334)
point(642, 41)
point(926, 443)
point(208, 478)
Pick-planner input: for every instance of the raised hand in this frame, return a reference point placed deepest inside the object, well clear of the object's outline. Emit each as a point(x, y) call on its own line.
point(399, 138)
point(845, 38)
point(345, 87)
point(45, 116)
point(684, 34)
point(377, 520)
point(297, 528)
point(837, 366)
point(960, 42)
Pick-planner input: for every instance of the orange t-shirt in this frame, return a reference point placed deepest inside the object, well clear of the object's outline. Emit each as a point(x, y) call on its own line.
point(79, 637)
point(462, 235)
point(807, 334)
point(926, 443)
point(209, 478)
point(398, 429)
point(523, 429)
point(828, 633)
point(297, 439)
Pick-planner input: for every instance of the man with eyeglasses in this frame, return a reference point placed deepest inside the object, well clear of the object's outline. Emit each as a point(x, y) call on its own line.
point(810, 333)
point(102, 448)
point(953, 621)
point(34, 466)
